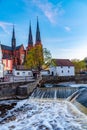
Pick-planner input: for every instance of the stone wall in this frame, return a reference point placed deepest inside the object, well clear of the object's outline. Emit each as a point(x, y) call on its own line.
point(57, 79)
point(24, 91)
point(16, 90)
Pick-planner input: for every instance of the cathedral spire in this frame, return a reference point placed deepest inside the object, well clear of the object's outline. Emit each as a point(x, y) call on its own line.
point(13, 42)
point(30, 38)
point(38, 38)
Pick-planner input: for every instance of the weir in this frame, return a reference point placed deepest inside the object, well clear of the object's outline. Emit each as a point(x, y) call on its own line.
point(54, 92)
point(75, 95)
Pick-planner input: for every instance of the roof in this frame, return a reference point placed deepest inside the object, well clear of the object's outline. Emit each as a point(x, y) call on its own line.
point(63, 62)
point(4, 47)
point(18, 47)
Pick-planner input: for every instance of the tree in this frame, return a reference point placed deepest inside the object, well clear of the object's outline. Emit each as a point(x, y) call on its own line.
point(48, 58)
point(30, 59)
point(34, 58)
point(79, 65)
point(85, 60)
point(39, 58)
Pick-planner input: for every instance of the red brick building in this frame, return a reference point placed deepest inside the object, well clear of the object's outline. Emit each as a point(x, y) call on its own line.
point(14, 55)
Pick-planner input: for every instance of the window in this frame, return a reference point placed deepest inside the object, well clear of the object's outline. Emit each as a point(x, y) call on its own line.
point(9, 63)
point(68, 66)
point(29, 73)
point(61, 66)
point(18, 73)
point(23, 73)
point(52, 73)
point(62, 71)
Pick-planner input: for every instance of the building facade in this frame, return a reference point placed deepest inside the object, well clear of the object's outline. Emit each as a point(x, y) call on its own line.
point(63, 67)
point(1, 64)
point(23, 73)
point(14, 55)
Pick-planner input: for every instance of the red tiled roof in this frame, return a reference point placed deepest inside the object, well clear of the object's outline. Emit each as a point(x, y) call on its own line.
point(63, 62)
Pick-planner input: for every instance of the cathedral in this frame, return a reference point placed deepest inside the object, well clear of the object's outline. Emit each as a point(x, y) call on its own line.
point(14, 55)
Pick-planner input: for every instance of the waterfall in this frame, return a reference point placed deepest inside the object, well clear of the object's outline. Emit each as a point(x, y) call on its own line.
point(45, 111)
point(72, 97)
point(79, 94)
point(54, 92)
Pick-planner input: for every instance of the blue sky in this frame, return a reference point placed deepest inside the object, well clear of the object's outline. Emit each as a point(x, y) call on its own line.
point(63, 25)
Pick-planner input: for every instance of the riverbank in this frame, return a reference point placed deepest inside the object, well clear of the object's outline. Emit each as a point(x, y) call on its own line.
point(21, 90)
point(58, 79)
point(17, 90)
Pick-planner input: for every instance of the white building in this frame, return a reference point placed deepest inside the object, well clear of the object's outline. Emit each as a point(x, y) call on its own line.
point(1, 65)
point(63, 67)
point(44, 72)
point(22, 73)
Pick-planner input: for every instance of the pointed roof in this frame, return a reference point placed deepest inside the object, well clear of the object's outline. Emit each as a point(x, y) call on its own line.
point(30, 38)
point(38, 38)
point(13, 33)
point(13, 42)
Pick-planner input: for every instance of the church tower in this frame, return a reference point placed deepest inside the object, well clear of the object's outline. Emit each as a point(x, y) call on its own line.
point(13, 41)
point(30, 38)
point(39, 48)
point(38, 38)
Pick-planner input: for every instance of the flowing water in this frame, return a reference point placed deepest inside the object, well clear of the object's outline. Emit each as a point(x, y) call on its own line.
point(54, 92)
point(44, 110)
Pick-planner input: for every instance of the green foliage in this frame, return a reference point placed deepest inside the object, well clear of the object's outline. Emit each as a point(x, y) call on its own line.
point(39, 59)
point(47, 57)
point(80, 65)
point(34, 58)
point(37, 56)
point(30, 59)
point(53, 62)
point(85, 60)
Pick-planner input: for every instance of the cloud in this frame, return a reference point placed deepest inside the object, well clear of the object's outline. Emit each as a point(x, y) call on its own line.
point(5, 25)
point(67, 28)
point(50, 10)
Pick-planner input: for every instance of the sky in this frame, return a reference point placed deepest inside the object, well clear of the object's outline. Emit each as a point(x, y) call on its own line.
point(63, 25)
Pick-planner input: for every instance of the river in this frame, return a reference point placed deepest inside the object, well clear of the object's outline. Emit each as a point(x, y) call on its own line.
point(38, 113)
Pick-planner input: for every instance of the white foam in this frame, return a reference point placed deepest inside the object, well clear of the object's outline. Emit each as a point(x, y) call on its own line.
point(35, 114)
point(71, 84)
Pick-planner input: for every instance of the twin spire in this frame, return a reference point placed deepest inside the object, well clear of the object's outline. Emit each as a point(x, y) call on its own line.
point(30, 38)
point(38, 38)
